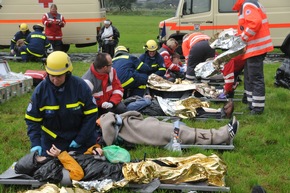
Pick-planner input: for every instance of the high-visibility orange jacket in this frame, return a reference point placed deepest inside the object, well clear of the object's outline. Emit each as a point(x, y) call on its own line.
point(253, 28)
point(190, 40)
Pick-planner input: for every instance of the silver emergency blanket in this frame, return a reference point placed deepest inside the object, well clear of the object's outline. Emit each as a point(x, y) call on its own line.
point(224, 40)
point(100, 186)
point(156, 82)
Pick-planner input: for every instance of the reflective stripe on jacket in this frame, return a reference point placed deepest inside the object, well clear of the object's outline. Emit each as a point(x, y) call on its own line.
point(253, 28)
point(68, 112)
point(53, 30)
point(190, 41)
point(106, 87)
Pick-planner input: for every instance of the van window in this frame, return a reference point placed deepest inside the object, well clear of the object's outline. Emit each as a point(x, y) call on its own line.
point(225, 6)
point(196, 6)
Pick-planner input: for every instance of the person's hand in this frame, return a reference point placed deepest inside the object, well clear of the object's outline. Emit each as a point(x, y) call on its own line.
point(74, 144)
point(36, 148)
point(54, 151)
point(98, 151)
point(182, 69)
point(12, 52)
point(107, 105)
point(222, 96)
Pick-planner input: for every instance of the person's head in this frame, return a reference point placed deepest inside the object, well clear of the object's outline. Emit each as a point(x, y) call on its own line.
point(151, 47)
point(53, 9)
point(103, 63)
point(38, 27)
point(58, 65)
point(23, 27)
point(175, 58)
point(120, 50)
point(107, 23)
point(172, 43)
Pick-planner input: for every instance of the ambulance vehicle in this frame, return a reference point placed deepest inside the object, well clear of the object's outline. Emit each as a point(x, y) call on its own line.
point(212, 16)
point(83, 19)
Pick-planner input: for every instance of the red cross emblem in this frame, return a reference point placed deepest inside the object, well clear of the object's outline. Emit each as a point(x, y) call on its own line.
point(45, 2)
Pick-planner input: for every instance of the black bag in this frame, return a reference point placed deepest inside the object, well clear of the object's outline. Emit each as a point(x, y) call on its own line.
point(282, 77)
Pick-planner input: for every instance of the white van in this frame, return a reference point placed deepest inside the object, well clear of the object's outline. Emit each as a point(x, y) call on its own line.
point(212, 16)
point(83, 19)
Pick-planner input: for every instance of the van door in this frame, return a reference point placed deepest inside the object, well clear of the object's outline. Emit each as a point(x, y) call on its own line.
point(197, 15)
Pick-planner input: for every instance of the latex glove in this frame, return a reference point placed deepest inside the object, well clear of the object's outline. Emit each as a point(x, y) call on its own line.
point(182, 69)
point(36, 148)
point(74, 144)
point(12, 52)
point(107, 105)
point(222, 96)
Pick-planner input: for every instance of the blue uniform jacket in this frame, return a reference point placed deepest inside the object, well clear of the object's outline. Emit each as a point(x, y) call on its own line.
point(19, 35)
point(128, 67)
point(37, 43)
point(60, 115)
point(156, 63)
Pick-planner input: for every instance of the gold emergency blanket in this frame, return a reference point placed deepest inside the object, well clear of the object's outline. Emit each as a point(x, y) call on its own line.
point(194, 168)
point(185, 108)
point(156, 82)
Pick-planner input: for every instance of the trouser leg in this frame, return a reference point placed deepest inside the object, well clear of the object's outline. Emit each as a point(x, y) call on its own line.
point(256, 84)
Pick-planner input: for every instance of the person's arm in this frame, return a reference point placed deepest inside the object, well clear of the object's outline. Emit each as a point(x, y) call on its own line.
point(62, 22)
point(139, 65)
point(90, 114)
point(116, 33)
point(161, 67)
point(33, 119)
point(45, 21)
point(253, 22)
point(118, 91)
point(69, 163)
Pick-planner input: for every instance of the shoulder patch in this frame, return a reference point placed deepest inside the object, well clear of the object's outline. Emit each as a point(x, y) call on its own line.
point(29, 107)
point(248, 12)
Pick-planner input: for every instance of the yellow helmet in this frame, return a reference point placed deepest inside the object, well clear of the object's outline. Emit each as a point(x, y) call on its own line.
point(120, 49)
point(58, 63)
point(151, 45)
point(23, 27)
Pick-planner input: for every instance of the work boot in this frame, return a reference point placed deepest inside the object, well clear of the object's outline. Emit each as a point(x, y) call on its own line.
point(233, 126)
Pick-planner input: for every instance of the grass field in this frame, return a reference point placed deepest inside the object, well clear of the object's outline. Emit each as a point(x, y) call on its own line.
point(261, 154)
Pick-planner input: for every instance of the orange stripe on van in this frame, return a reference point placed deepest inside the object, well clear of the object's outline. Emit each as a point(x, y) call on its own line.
point(175, 27)
point(84, 20)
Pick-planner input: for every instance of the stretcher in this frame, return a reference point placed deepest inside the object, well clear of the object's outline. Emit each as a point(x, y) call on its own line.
point(9, 177)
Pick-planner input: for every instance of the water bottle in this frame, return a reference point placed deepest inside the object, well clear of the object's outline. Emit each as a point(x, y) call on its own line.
point(176, 145)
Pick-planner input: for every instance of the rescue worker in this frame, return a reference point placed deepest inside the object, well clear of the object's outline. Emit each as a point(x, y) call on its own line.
point(153, 59)
point(54, 22)
point(20, 35)
point(131, 71)
point(62, 110)
point(253, 27)
point(230, 72)
point(195, 49)
point(108, 38)
point(173, 70)
point(36, 44)
point(105, 85)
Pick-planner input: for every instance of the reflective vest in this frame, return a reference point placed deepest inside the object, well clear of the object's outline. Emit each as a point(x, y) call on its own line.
point(190, 41)
point(253, 28)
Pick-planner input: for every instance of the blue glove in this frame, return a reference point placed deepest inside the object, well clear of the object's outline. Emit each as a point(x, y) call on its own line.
point(36, 148)
point(182, 69)
point(222, 96)
point(74, 144)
